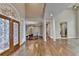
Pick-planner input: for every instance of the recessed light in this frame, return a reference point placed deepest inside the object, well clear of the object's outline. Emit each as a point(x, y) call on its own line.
point(51, 14)
point(74, 6)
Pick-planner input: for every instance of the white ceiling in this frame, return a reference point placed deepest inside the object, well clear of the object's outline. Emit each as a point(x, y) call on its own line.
point(34, 9)
point(55, 8)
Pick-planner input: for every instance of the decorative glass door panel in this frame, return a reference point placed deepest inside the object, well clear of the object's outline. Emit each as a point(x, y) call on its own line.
point(15, 31)
point(4, 35)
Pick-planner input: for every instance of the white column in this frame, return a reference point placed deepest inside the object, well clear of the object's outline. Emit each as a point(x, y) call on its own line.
point(77, 22)
point(44, 29)
point(52, 30)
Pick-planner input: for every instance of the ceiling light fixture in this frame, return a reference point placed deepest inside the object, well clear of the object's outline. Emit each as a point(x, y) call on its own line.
point(75, 6)
point(51, 14)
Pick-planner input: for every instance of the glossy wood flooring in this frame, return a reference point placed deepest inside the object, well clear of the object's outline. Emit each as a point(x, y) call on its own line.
point(49, 48)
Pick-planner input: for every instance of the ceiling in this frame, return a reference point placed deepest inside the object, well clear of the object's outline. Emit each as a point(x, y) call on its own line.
point(35, 11)
point(55, 9)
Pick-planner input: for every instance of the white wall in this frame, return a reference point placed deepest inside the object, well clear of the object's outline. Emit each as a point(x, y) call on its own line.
point(36, 30)
point(67, 15)
point(77, 22)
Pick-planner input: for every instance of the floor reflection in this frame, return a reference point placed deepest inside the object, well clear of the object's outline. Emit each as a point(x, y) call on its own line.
point(62, 47)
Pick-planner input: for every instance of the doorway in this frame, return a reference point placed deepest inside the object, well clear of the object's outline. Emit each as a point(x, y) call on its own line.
point(48, 29)
point(63, 29)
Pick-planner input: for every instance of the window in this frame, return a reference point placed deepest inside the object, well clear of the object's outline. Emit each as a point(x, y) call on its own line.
point(4, 35)
point(15, 27)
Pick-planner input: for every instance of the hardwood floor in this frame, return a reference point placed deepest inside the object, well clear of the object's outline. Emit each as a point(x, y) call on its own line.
point(49, 48)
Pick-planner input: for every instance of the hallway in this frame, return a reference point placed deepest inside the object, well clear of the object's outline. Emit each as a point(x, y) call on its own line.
point(21, 25)
point(50, 48)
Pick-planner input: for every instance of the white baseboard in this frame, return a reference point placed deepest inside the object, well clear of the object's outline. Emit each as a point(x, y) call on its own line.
point(51, 37)
point(68, 38)
point(54, 39)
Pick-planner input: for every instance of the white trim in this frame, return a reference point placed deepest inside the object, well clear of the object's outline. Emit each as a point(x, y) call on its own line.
point(67, 38)
point(54, 39)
